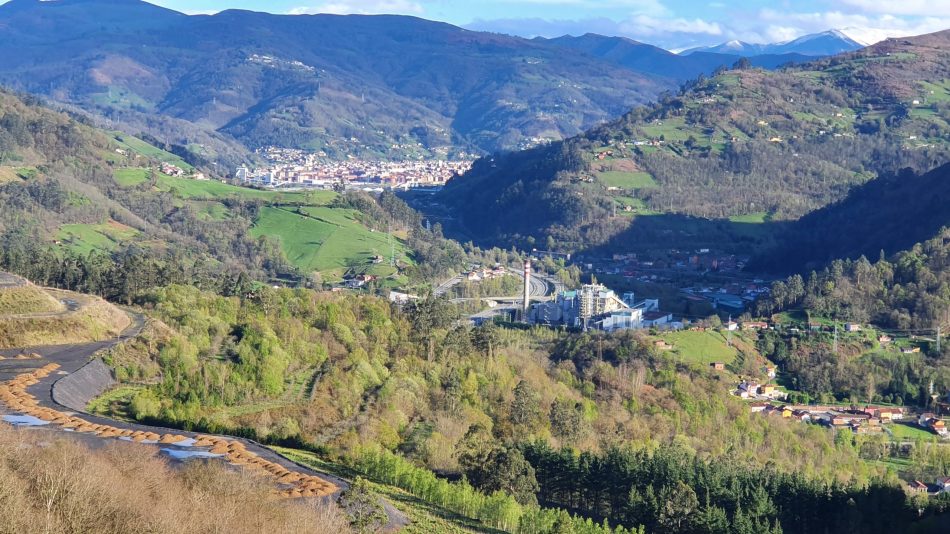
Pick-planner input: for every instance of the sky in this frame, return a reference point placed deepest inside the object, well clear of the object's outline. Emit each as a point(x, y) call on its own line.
point(672, 24)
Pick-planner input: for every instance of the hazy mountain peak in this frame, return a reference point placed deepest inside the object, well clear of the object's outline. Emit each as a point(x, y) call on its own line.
point(868, 36)
point(816, 44)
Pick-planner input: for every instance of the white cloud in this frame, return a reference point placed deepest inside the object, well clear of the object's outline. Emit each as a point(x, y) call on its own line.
point(771, 25)
point(920, 8)
point(643, 7)
point(362, 7)
point(647, 25)
point(666, 23)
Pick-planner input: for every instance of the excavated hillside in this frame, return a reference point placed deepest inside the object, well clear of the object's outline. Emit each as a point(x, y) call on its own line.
point(34, 316)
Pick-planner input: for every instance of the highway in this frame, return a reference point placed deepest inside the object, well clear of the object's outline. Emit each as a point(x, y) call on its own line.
point(543, 287)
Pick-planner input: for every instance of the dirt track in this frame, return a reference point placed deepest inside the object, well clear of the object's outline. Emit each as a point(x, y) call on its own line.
point(60, 385)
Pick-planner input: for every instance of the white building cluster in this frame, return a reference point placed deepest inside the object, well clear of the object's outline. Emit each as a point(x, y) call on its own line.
point(595, 306)
point(289, 167)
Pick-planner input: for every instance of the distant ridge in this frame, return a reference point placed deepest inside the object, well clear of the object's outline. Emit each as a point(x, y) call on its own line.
point(825, 43)
point(648, 58)
point(375, 86)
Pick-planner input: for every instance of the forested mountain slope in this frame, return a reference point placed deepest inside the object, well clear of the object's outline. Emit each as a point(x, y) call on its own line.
point(342, 84)
point(389, 391)
point(377, 86)
point(886, 215)
point(910, 289)
point(746, 142)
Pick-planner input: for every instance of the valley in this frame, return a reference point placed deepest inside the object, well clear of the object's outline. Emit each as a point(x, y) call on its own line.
point(706, 155)
point(294, 272)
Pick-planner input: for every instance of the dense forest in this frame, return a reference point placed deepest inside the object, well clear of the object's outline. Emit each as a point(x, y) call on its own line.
point(910, 290)
point(670, 490)
point(888, 214)
point(745, 142)
point(383, 389)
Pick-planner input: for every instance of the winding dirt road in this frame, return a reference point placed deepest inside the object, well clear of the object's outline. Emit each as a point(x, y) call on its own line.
point(55, 379)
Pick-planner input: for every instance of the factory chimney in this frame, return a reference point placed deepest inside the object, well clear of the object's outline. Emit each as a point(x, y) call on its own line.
point(526, 305)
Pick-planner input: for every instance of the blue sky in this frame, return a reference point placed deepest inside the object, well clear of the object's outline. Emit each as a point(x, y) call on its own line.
point(668, 23)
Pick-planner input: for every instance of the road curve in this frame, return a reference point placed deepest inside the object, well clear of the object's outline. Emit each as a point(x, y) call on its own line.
point(71, 359)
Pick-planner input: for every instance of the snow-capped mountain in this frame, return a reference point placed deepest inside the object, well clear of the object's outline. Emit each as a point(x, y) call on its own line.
point(817, 44)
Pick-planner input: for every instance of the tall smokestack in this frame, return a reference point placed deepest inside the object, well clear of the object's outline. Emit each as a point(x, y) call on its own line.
point(527, 291)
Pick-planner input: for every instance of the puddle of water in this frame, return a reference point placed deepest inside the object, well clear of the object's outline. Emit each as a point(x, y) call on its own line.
point(185, 455)
point(24, 420)
point(144, 441)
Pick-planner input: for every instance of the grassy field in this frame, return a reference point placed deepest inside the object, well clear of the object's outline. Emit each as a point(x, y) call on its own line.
point(324, 239)
point(790, 318)
point(750, 218)
point(129, 177)
point(27, 299)
point(130, 142)
point(210, 210)
point(115, 402)
point(10, 174)
point(700, 347)
point(672, 129)
point(121, 97)
point(627, 180)
point(907, 431)
point(424, 517)
point(84, 238)
point(936, 92)
point(214, 190)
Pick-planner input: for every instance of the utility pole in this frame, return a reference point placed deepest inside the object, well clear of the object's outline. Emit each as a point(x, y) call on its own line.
point(836, 338)
point(729, 332)
point(938, 339)
point(526, 297)
point(392, 247)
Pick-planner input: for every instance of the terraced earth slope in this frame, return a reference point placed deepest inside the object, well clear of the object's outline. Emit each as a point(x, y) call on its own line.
point(31, 316)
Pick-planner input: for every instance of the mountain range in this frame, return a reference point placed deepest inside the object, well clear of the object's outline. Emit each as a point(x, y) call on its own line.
point(342, 84)
point(372, 86)
point(826, 43)
point(642, 57)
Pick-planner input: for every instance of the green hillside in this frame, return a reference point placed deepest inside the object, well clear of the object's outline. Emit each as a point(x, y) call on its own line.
point(743, 142)
point(143, 148)
point(77, 199)
point(331, 241)
point(86, 238)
